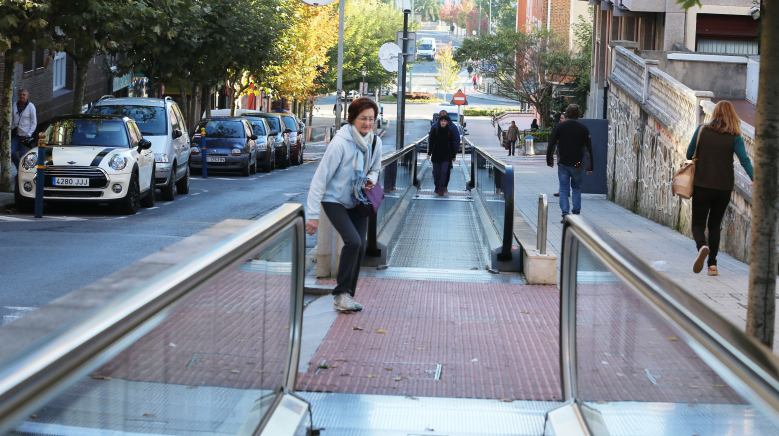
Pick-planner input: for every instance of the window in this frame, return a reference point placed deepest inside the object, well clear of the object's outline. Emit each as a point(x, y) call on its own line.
point(28, 65)
point(40, 60)
point(150, 119)
point(174, 120)
point(135, 134)
point(80, 132)
point(60, 70)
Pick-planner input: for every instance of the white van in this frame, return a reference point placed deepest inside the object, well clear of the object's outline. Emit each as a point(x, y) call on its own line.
point(427, 48)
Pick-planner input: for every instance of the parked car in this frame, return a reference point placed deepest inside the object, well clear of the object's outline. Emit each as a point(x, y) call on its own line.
point(265, 141)
point(296, 141)
point(161, 122)
point(282, 142)
point(352, 95)
point(230, 145)
point(91, 159)
point(427, 49)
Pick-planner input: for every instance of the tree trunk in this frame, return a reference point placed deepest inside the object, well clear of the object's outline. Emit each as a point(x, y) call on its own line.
point(6, 184)
point(765, 193)
point(193, 109)
point(184, 106)
point(80, 82)
point(207, 99)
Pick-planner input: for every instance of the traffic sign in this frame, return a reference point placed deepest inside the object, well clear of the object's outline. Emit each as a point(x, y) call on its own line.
point(411, 55)
point(459, 98)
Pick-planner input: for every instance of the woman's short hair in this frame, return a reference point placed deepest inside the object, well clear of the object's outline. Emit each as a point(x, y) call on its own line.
point(445, 118)
point(572, 112)
point(359, 105)
point(724, 119)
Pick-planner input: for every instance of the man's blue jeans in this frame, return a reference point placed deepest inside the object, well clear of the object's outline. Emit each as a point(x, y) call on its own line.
point(570, 180)
point(17, 150)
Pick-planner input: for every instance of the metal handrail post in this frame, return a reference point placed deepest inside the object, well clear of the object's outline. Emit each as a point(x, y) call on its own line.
point(472, 184)
point(508, 214)
point(416, 156)
point(568, 366)
point(543, 211)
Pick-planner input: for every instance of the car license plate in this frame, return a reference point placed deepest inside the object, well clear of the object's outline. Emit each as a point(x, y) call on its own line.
point(215, 159)
point(69, 181)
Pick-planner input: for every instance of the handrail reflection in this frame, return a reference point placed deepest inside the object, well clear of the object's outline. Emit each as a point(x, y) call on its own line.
point(508, 192)
point(749, 367)
point(38, 373)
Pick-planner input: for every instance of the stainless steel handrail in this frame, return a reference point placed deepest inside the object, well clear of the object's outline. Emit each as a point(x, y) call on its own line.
point(543, 211)
point(749, 367)
point(38, 373)
point(508, 214)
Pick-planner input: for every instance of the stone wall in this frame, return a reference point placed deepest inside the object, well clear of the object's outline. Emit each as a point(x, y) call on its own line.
point(643, 155)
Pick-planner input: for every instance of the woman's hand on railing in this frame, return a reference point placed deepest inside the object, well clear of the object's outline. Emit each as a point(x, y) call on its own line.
point(311, 226)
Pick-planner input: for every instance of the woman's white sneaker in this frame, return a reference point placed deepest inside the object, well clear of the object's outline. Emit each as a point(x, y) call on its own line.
point(344, 303)
point(698, 265)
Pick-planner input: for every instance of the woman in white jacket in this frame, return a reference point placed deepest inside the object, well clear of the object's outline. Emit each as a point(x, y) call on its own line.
point(352, 162)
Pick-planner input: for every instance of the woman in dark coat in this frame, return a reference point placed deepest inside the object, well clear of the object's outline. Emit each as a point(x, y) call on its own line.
point(441, 151)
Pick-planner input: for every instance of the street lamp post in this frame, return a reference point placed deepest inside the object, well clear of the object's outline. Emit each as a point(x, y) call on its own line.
point(340, 74)
point(400, 141)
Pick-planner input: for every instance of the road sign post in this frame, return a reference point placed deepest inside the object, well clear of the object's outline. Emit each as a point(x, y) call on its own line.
point(41, 175)
point(204, 154)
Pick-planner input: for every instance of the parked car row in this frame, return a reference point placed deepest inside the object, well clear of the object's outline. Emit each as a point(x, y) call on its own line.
point(125, 149)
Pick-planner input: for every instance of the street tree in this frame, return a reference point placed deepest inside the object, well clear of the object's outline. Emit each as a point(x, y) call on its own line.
point(24, 24)
point(448, 70)
point(427, 9)
point(527, 67)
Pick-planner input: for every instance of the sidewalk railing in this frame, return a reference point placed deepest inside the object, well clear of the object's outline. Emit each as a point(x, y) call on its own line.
point(398, 174)
point(495, 182)
point(631, 339)
point(212, 338)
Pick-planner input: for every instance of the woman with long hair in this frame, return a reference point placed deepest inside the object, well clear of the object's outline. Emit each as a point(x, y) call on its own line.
point(714, 179)
point(351, 162)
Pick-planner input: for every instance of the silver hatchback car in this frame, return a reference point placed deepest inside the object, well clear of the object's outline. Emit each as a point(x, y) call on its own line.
point(161, 122)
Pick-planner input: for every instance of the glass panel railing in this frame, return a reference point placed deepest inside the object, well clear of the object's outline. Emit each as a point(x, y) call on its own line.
point(212, 362)
point(495, 183)
point(395, 177)
point(645, 358)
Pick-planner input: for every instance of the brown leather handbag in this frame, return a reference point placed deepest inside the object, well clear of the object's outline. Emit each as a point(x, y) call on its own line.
point(682, 184)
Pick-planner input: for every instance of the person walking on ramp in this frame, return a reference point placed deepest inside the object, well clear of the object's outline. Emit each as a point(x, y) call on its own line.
point(511, 136)
point(441, 151)
point(714, 178)
point(351, 162)
point(572, 140)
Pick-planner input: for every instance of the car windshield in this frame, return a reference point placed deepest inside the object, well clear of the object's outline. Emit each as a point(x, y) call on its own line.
point(274, 123)
point(151, 120)
point(290, 123)
point(103, 133)
point(426, 46)
point(222, 128)
point(258, 128)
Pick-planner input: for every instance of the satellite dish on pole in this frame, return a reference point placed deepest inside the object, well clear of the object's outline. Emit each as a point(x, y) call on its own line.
point(317, 2)
point(388, 56)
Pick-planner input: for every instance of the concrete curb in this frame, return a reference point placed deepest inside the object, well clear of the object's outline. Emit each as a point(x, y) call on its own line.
point(6, 199)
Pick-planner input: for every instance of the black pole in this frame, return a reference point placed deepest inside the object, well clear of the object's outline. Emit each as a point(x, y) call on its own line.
point(402, 94)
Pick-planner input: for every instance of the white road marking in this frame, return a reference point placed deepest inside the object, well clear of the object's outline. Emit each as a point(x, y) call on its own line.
point(13, 219)
point(15, 312)
point(152, 208)
point(195, 193)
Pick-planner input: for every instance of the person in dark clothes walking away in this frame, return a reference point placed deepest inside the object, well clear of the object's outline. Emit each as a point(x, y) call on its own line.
point(562, 118)
point(511, 137)
point(534, 124)
point(441, 151)
point(714, 179)
point(456, 135)
point(572, 141)
point(350, 163)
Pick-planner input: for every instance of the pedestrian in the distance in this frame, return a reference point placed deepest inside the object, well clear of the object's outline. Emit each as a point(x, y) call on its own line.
point(714, 179)
point(572, 141)
point(534, 124)
point(451, 29)
point(24, 120)
point(455, 134)
point(441, 151)
point(351, 162)
point(475, 79)
point(511, 136)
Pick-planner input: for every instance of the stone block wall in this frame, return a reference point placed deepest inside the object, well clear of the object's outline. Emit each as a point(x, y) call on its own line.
point(643, 156)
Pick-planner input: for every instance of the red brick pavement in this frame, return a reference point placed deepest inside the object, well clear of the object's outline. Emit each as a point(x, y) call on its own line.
point(511, 332)
point(232, 334)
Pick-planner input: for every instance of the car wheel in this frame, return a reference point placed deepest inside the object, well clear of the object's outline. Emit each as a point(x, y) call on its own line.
point(299, 159)
point(168, 191)
point(131, 201)
point(288, 159)
point(23, 204)
point(151, 194)
point(246, 170)
point(284, 160)
point(253, 168)
point(268, 165)
point(182, 186)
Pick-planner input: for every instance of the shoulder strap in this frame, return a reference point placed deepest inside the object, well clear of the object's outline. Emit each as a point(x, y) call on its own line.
point(373, 147)
point(697, 141)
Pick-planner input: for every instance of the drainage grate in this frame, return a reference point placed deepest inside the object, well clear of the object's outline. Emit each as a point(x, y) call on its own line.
point(444, 275)
point(392, 370)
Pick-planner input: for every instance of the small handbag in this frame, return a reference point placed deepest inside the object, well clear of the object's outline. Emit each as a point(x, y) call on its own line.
point(374, 195)
point(682, 184)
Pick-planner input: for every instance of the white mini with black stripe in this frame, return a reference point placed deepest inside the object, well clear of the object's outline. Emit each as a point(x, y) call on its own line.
point(90, 158)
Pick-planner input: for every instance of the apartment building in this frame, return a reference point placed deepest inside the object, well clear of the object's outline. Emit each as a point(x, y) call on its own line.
point(553, 14)
point(718, 26)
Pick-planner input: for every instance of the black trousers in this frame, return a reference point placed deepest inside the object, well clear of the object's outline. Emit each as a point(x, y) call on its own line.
point(353, 228)
point(711, 204)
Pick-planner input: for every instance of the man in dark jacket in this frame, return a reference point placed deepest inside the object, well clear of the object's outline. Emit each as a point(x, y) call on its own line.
point(455, 136)
point(572, 140)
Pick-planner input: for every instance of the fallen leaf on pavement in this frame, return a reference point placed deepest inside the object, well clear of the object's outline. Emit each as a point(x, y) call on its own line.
point(420, 349)
point(388, 369)
point(357, 328)
point(673, 338)
point(234, 371)
point(371, 376)
point(101, 377)
point(506, 400)
point(380, 331)
point(398, 378)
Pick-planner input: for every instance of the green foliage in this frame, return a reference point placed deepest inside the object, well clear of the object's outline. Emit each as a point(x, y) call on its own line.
point(427, 9)
point(369, 24)
point(448, 70)
point(504, 14)
point(486, 112)
point(687, 4)
point(528, 67)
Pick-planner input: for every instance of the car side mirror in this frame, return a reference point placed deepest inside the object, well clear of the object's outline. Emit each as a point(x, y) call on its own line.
point(253, 137)
point(144, 144)
point(464, 124)
point(288, 131)
point(273, 132)
point(177, 134)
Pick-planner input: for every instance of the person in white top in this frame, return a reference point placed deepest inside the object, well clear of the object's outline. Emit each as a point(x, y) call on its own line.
point(23, 124)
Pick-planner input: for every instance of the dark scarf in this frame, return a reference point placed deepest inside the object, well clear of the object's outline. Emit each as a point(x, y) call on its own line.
point(20, 109)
